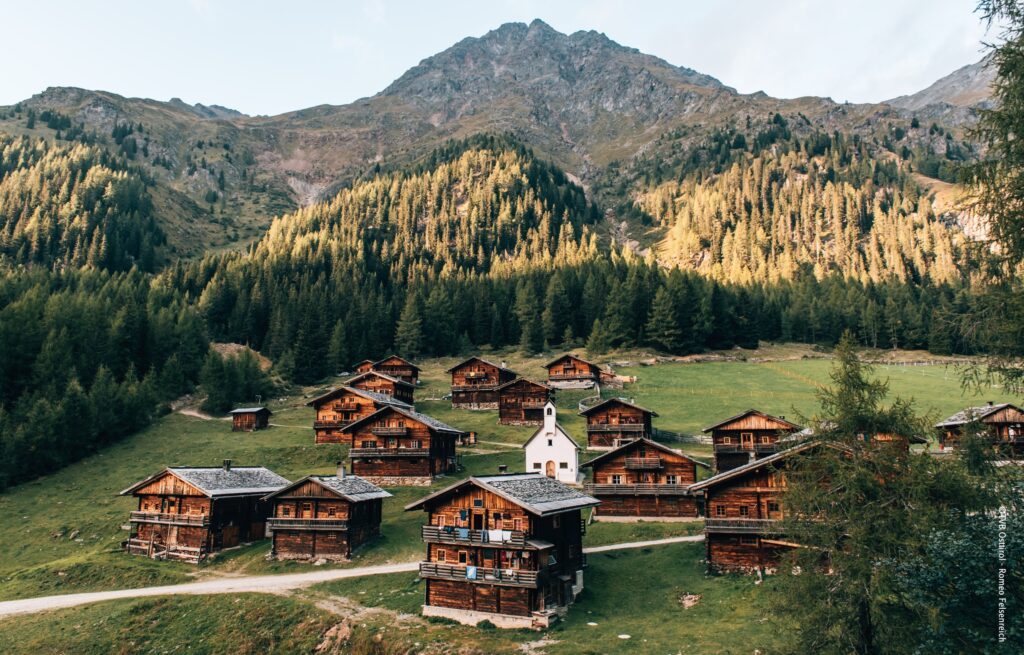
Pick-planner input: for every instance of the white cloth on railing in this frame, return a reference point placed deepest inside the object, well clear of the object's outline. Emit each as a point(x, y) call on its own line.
point(499, 535)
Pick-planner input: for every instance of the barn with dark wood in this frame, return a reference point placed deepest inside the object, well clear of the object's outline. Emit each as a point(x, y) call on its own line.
point(747, 436)
point(187, 513)
point(503, 548)
point(324, 517)
point(644, 479)
point(341, 407)
point(616, 421)
point(248, 419)
point(521, 402)
point(570, 371)
point(743, 510)
point(475, 383)
point(399, 446)
point(1002, 423)
point(384, 384)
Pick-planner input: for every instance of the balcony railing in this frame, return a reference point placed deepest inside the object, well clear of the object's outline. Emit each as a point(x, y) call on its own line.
point(746, 448)
point(643, 463)
point(440, 535)
point(345, 407)
point(170, 519)
point(743, 526)
point(286, 523)
point(330, 424)
point(389, 452)
point(509, 577)
point(572, 375)
point(533, 404)
point(645, 489)
point(390, 431)
point(620, 427)
point(490, 386)
point(476, 375)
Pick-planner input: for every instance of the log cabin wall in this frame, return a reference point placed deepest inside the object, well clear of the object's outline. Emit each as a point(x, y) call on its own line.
point(333, 414)
point(475, 384)
point(395, 446)
point(736, 526)
point(397, 367)
point(475, 509)
point(616, 423)
point(190, 525)
point(312, 501)
point(749, 437)
point(522, 403)
point(639, 464)
point(572, 368)
point(249, 422)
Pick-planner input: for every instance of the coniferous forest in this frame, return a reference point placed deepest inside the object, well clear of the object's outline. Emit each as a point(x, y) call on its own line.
point(480, 243)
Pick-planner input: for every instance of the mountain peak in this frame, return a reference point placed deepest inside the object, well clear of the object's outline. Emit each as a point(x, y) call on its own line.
point(968, 86)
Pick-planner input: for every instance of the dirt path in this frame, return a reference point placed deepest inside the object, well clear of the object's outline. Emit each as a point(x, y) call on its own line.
point(258, 583)
point(195, 413)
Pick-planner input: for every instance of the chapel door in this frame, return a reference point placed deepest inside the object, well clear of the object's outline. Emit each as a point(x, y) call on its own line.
point(549, 469)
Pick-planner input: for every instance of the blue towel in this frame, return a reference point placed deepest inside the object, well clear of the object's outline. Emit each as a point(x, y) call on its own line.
point(463, 533)
point(471, 573)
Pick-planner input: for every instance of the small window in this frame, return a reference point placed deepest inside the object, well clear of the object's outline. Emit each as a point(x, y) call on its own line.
point(286, 511)
point(417, 443)
point(307, 507)
point(536, 465)
point(478, 502)
point(462, 557)
point(670, 479)
point(719, 510)
point(331, 511)
point(551, 442)
point(441, 555)
point(744, 511)
point(563, 465)
point(550, 411)
point(773, 506)
point(765, 439)
point(616, 479)
point(726, 440)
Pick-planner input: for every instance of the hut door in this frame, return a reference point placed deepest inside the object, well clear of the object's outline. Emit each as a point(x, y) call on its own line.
point(478, 521)
point(549, 469)
point(747, 439)
point(307, 511)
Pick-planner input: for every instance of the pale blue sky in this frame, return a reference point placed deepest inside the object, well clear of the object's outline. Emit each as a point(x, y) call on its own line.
point(265, 58)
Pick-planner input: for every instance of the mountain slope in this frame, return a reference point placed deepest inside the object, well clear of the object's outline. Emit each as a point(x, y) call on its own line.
point(582, 101)
point(969, 86)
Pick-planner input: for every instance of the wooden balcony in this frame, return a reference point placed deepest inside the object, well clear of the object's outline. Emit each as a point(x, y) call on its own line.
point(505, 577)
point(759, 448)
point(643, 463)
point(288, 523)
point(572, 375)
point(476, 375)
point(438, 535)
point(390, 431)
point(318, 425)
point(489, 386)
point(619, 427)
point(533, 404)
point(742, 526)
point(646, 489)
point(200, 520)
point(389, 452)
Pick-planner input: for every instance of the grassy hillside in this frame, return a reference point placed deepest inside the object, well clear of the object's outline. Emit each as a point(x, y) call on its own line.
point(66, 527)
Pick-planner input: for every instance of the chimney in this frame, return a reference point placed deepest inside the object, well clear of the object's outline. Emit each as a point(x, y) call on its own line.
point(502, 468)
point(504, 364)
point(782, 416)
point(227, 465)
point(341, 469)
point(989, 402)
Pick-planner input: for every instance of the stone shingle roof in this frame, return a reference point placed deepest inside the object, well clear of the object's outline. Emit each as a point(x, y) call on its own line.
point(375, 396)
point(533, 492)
point(622, 401)
point(969, 414)
point(409, 412)
point(217, 481)
point(352, 487)
point(249, 410)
